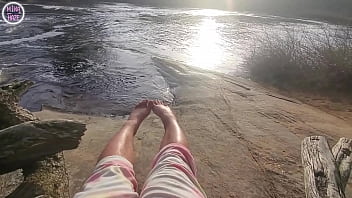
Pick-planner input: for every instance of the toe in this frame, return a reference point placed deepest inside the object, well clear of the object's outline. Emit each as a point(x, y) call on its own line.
point(157, 102)
point(154, 102)
point(149, 104)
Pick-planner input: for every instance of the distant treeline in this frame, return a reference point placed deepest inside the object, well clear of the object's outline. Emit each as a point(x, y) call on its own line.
point(308, 8)
point(329, 9)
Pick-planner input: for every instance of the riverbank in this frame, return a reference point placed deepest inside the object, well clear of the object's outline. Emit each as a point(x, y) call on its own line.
point(245, 139)
point(338, 105)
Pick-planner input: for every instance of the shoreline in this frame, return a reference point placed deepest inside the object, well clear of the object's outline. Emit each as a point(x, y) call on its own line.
point(339, 106)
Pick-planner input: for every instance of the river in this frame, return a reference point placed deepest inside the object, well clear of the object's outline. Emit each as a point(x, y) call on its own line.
point(101, 58)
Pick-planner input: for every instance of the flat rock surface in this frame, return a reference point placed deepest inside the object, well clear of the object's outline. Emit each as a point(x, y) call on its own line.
point(245, 139)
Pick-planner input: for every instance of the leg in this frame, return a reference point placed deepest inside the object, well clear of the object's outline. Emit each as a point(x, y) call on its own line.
point(122, 142)
point(173, 132)
point(113, 175)
point(174, 171)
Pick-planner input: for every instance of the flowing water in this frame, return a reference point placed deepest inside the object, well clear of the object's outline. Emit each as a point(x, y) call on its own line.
point(100, 58)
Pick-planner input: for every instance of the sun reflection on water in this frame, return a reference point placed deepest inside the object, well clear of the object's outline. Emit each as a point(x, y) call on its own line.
point(206, 51)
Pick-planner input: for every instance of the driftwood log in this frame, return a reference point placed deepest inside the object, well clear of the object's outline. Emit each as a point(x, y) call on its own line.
point(325, 173)
point(23, 144)
point(342, 154)
point(46, 177)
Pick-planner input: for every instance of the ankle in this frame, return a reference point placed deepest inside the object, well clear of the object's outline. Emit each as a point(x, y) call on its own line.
point(133, 121)
point(169, 120)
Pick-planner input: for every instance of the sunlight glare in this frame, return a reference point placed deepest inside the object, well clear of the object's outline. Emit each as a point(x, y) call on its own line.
point(206, 51)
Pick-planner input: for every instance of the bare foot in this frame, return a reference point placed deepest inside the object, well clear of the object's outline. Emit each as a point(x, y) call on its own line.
point(173, 132)
point(163, 111)
point(141, 111)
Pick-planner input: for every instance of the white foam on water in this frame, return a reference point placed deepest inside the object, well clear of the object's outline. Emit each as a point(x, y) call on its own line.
point(312, 21)
point(2, 77)
point(56, 7)
point(63, 26)
point(33, 38)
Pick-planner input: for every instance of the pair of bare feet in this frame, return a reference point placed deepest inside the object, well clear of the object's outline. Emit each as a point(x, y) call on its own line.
point(122, 142)
point(143, 109)
point(173, 132)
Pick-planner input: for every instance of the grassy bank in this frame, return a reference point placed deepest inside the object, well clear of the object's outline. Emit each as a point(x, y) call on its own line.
point(319, 62)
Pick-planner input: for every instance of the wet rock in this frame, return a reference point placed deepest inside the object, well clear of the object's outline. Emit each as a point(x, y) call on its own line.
point(10, 113)
point(46, 178)
point(10, 181)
